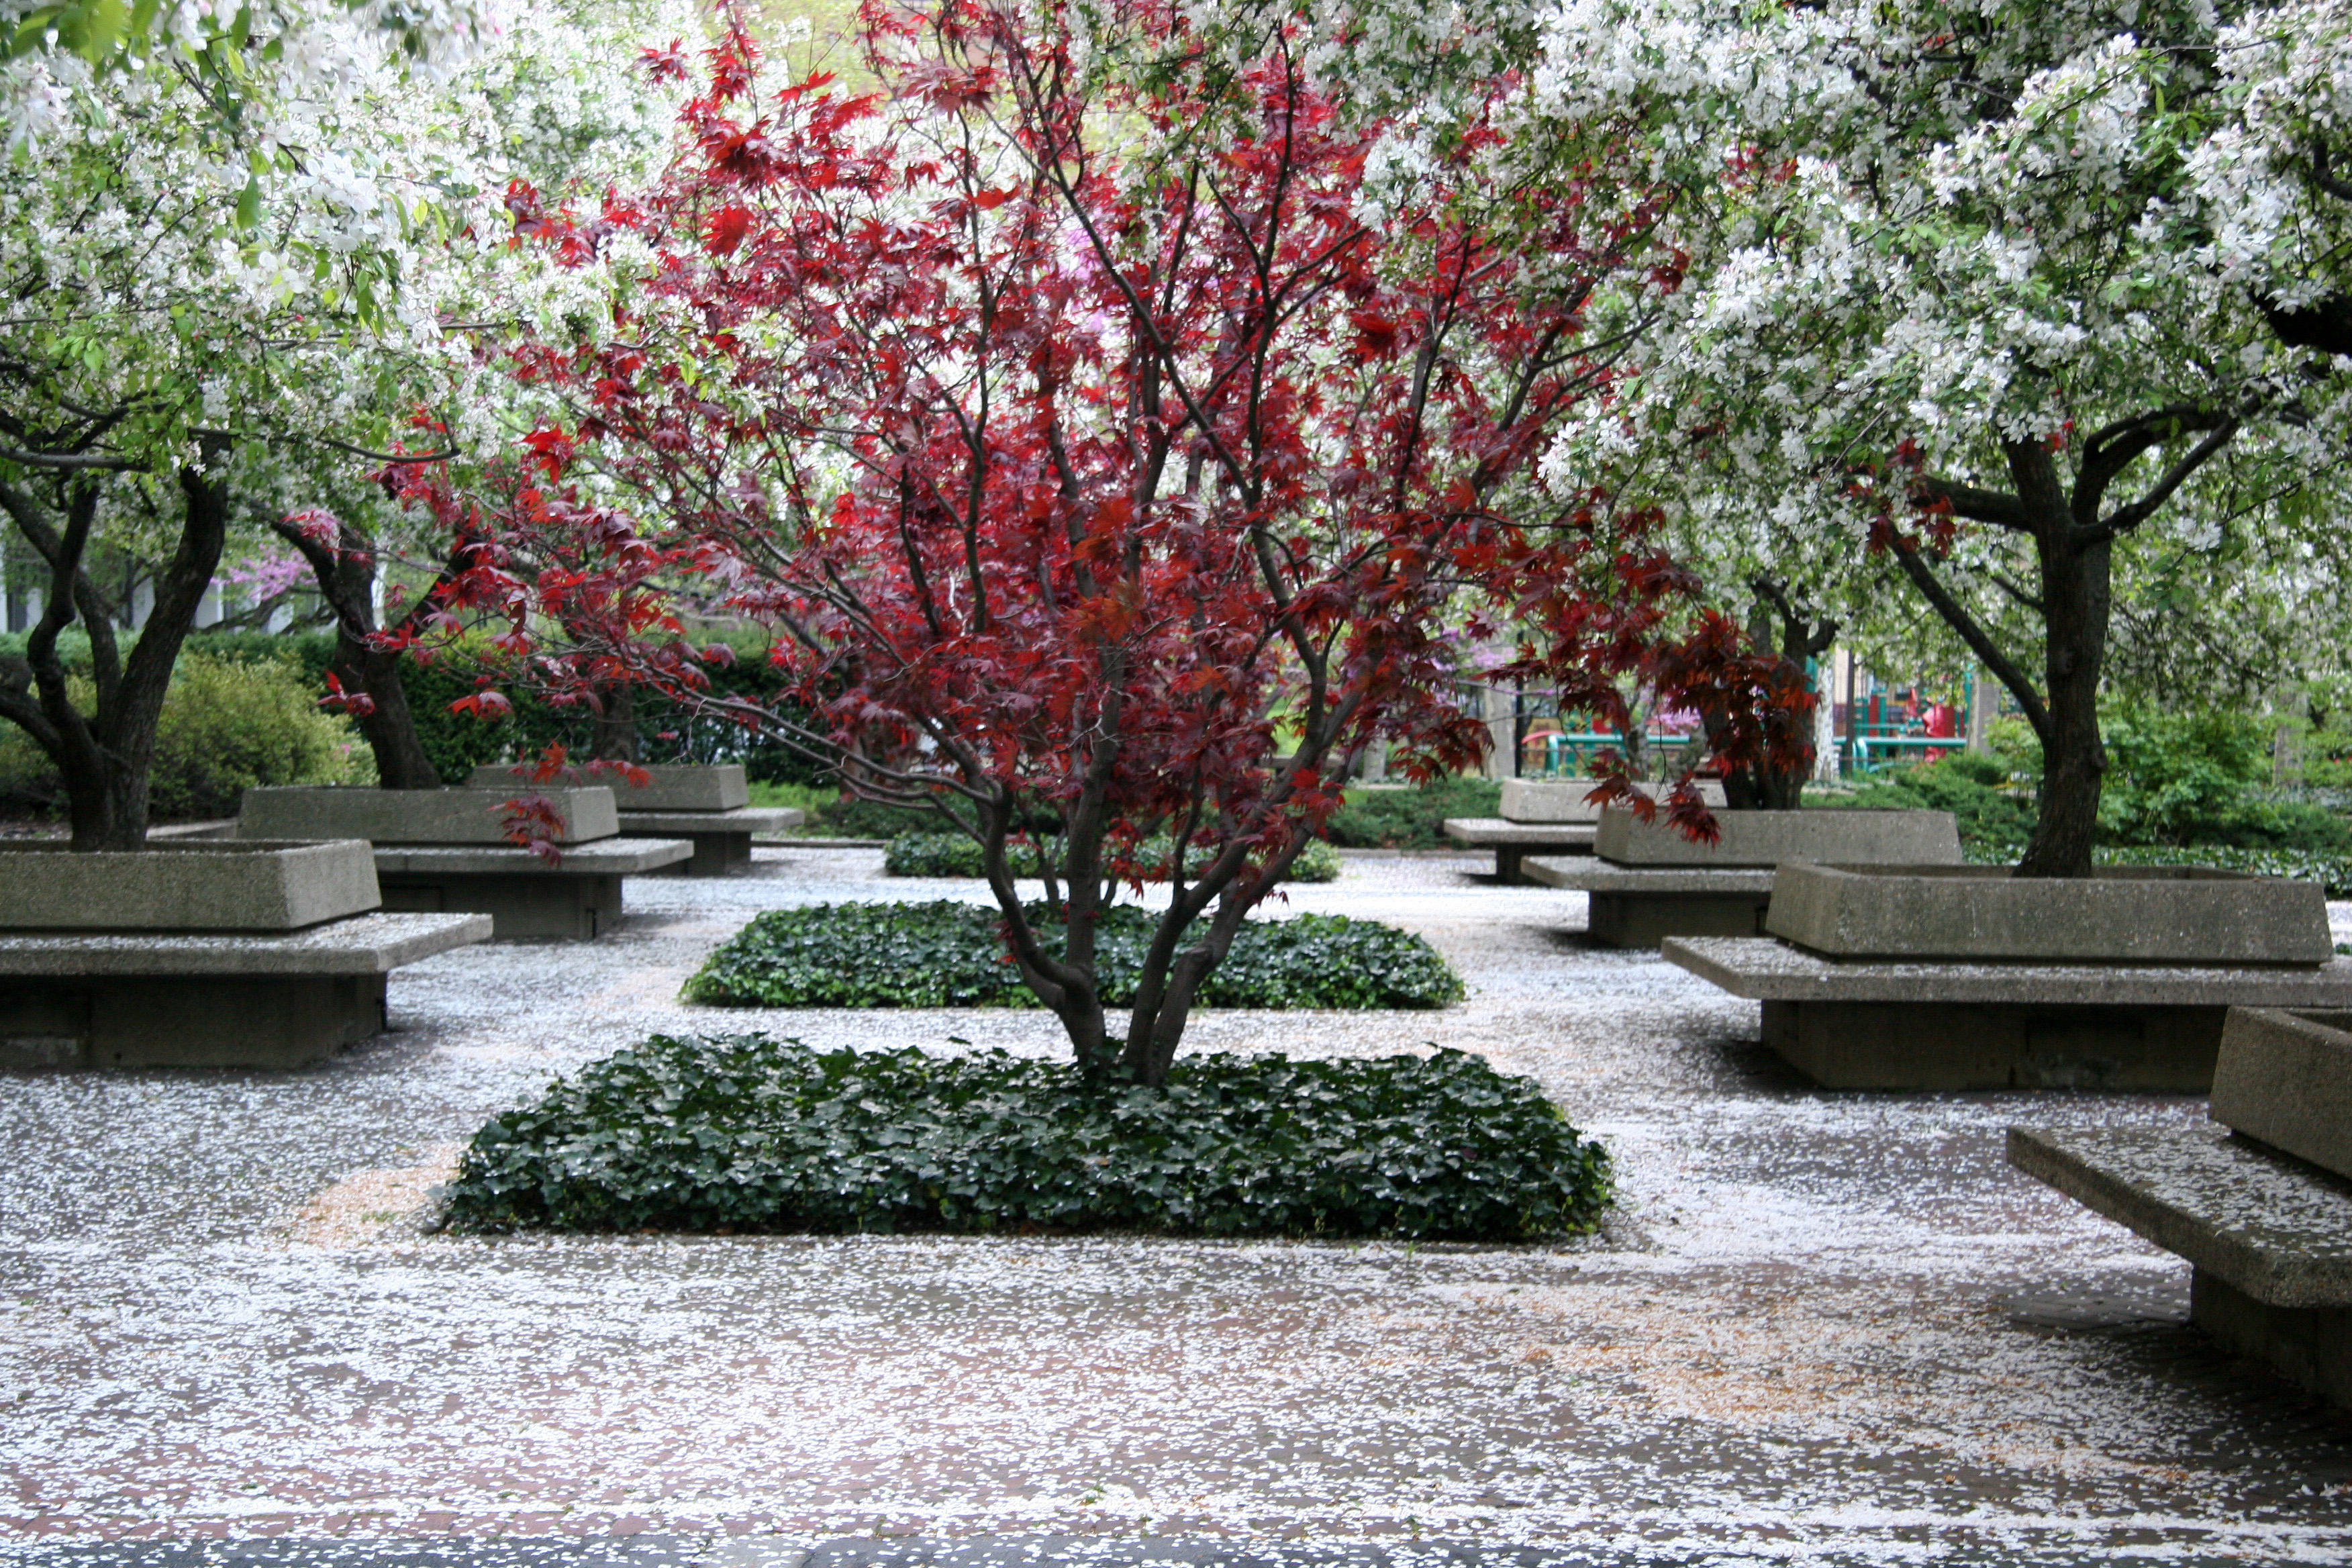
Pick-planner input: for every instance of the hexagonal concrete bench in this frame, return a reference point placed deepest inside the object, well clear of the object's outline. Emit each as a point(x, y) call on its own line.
point(446, 850)
point(1962, 977)
point(1541, 816)
point(1646, 881)
point(2259, 1200)
point(707, 804)
point(200, 953)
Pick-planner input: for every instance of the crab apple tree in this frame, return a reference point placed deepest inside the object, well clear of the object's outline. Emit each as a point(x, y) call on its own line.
point(1100, 456)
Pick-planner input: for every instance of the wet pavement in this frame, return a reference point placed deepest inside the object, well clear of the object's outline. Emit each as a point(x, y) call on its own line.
point(1830, 1328)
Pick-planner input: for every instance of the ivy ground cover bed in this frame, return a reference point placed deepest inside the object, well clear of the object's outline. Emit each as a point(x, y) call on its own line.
point(749, 1133)
point(948, 954)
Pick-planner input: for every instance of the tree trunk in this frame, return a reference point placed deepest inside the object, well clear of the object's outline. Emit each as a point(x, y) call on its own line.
point(2075, 594)
point(345, 573)
point(389, 726)
point(615, 738)
point(104, 758)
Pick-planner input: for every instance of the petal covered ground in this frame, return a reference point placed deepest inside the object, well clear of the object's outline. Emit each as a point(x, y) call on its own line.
point(1819, 1326)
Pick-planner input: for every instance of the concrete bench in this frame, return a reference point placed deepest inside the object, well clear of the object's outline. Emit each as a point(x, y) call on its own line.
point(2259, 1200)
point(576, 899)
point(1543, 816)
point(1924, 1025)
point(1647, 882)
point(1964, 977)
point(1513, 842)
point(1634, 907)
point(242, 999)
point(706, 804)
point(446, 849)
point(722, 839)
point(196, 952)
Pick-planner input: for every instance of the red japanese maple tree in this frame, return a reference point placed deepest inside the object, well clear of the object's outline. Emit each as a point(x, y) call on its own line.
point(1098, 455)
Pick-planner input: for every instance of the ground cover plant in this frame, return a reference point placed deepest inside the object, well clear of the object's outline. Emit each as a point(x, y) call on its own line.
point(954, 854)
point(749, 1133)
point(1413, 817)
point(948, 954)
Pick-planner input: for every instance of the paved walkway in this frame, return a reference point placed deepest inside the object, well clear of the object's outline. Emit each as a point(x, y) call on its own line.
point(1821, 1328)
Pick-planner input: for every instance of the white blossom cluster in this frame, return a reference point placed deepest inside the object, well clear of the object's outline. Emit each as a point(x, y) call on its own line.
point(307, 274)
point(1911, 230)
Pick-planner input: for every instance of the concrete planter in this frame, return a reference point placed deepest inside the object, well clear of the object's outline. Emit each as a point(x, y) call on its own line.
point(2286, 1078)
point(2139, 915)
point(1751, 839)
point(682, 787)
point(1563, 800)
point(709, 804)
point(418, 816)
point(446, 851)
point(200, 953)
point(190, 885)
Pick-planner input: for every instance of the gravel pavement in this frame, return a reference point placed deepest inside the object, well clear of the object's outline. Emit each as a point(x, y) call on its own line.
point(1818, 1328)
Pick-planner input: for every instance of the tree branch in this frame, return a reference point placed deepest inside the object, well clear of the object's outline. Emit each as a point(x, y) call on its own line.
point(1955, 615)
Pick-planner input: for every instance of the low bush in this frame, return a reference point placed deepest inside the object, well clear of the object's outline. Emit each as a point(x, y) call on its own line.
point(1995, 815)
point(2333, 872)
point(947, 954)
point(954, 854)
point(749, 1133)
point(228, 724)
point(1413, 817)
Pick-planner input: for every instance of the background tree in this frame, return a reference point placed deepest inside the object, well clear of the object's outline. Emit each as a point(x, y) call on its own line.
point(1133, 492)
point(225, 311)
point(1947, 265)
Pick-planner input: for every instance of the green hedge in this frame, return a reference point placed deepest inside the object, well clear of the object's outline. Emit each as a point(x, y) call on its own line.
point(457, 742)
point(749, 1133)
point(2333, 872)
point(228, 724)
point(945, 954)
point(1411, 818)
point(954, 854)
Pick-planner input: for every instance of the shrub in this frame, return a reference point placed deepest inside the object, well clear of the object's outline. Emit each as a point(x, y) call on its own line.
point(2185, 778)
point(1994, 815)
point(1411, 819)
point(745, 1132)
point(954, 854)
point(947, 954)
point(228, 724)
point(2332, 872)
point(231, 724)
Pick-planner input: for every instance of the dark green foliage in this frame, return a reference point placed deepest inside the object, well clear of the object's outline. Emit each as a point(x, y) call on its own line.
point(1413, 817)
point(951, 855)
point(2202, 778)
point(954, 854)
point(2333, 872)
point(749, 1133)
point(1995, 817)
point(227, 723)
point(945, 955)
point(457, 742)
point(849, 818)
